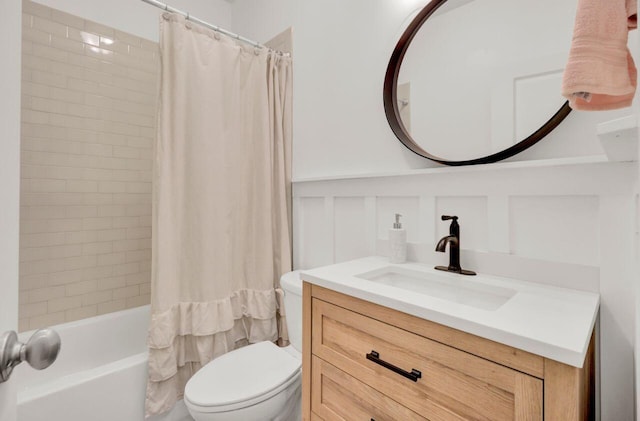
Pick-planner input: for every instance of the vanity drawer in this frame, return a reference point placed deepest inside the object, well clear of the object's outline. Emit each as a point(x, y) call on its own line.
point(339, 396)
point(453, 384)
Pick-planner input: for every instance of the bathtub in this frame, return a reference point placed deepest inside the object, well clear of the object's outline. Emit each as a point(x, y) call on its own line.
point(100, 374)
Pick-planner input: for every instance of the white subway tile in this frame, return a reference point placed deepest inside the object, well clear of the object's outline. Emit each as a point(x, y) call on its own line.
point(46, 51)
point(111, 306)
point(112, 235)
point(64, 278)
point(81, 313)
point(112, 139)
point(126, 152)
point(99, 149)
point(27, 47)
point(27, 21)
point(81, 288)
point(47, 25)
point(82, 186)
point(111, 259)
point(79, 262)
point(66, 19)
point(32, 310)
point(36, 9)
point(126, 269)
point(141, 53)
point(43, 239)
point(138, 301)
point(39, 185)
point(145, 221)
point(47, 78)
point(35, 117)
point(84, 61)
point(97, 223)
point(138, 278)
point(127, 245)
point(50, 199)
point(108, 284)
point(139, 210)
point(45, 294)
point(138, 255)
point(97, 248)
point(145, 289)
point(98, 199)
point(97, 174)
point(99, 101)
point(126, 292)
point(42, 212)
point(98, 29)
point(46, 320)
point(32, 282)
point(128, 38)
point(97, 297)
point(82, 211)
point(65, 303)
point(80, 35)
point(112, 187)
point(35, 36)
point(67, 44)
point(112, 210)
point(126, 221)
point(98, 272)
point(50, 225)
point(138, 232)
point(82, 110)
point(99, 53)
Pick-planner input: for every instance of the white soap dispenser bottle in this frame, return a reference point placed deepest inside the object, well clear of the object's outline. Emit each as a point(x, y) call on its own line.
point(398, 242)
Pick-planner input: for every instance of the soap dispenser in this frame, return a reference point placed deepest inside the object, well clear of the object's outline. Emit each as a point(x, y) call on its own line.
point(398, 242)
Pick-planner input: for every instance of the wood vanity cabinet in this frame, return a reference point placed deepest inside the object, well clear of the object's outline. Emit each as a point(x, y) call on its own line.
point(362, 361)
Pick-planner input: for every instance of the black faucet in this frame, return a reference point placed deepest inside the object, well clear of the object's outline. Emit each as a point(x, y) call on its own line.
point(454, 247)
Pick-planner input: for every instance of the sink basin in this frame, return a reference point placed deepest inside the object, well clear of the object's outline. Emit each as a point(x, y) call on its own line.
point(455, 288)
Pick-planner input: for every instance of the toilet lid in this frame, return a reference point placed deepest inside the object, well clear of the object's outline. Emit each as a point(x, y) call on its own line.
point(242, 375)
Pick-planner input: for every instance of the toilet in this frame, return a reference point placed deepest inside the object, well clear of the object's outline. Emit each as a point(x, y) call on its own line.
point(259, 382)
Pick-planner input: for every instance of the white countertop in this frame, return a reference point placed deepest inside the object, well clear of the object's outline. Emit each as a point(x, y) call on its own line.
point(555, 323)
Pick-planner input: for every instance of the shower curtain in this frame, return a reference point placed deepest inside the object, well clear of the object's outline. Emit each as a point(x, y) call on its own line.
point(222, 211)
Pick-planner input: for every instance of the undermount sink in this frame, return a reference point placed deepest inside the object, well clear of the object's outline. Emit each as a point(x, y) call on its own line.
point(460, 290)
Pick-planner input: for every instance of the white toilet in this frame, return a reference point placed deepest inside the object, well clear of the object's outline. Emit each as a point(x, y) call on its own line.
point(259, 382)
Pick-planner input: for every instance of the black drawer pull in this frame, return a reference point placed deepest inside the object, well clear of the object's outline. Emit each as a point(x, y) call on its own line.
point(413, 375)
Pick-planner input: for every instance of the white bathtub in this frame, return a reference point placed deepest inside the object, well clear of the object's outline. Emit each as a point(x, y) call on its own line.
point(100, 374)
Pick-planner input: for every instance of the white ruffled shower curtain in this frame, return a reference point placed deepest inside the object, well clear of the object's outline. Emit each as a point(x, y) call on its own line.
point(222, 210)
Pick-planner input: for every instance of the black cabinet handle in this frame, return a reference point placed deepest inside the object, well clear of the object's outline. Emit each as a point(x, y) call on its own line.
point(413, 375)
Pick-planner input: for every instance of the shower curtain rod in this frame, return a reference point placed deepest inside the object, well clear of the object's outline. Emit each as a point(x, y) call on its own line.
point(216, 28)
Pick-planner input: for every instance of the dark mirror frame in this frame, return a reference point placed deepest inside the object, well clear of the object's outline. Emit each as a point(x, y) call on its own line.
point(392, 110)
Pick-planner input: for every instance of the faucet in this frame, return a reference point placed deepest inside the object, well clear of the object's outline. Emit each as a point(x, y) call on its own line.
point(453, 239)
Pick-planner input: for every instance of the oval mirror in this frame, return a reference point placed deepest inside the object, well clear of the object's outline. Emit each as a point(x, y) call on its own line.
point(475, 82)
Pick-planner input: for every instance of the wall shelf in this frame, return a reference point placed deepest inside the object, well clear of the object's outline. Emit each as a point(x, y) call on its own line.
point(619, 138)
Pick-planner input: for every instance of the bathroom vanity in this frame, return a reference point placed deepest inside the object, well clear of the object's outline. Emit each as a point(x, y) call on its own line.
point(402, 342)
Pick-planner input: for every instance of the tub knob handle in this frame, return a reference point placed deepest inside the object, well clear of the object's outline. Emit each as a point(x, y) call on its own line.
point(40, 351)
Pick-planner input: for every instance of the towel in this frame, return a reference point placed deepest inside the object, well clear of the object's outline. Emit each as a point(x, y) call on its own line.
point(600, 73)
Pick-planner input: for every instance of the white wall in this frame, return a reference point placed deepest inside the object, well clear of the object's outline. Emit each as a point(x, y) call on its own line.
point(571, 226)
point(141, 19)
point(10, 40)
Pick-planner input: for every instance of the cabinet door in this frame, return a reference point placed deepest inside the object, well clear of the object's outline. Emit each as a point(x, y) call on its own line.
point(453, 385)
point(338, 396)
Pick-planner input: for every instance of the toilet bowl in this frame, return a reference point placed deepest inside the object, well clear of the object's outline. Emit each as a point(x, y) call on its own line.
point(259, 382)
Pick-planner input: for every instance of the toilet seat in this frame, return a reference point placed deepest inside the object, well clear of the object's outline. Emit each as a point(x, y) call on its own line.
point(242, 378)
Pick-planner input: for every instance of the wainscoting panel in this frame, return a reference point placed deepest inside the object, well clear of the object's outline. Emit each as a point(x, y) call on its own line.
point(350, 228)
point(561, 228)
point(569, 223)
point(473, 219)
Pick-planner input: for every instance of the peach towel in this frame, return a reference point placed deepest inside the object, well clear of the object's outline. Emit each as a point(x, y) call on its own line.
point(600, 73)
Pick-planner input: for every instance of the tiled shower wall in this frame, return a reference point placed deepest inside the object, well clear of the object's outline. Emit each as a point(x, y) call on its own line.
point(88, 123)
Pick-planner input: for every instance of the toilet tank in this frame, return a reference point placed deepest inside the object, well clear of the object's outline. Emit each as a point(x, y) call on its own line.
point(292, 286)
